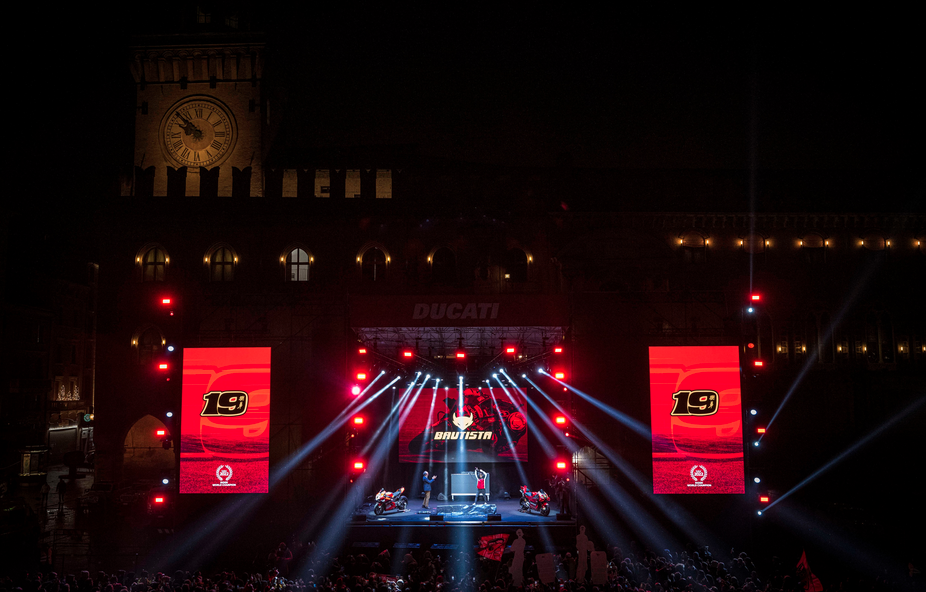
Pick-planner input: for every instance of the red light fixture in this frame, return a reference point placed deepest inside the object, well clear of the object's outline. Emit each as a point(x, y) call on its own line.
point(758, 363)
point(161, 433)
point(755, 297)
point(509, 350)
point(461, 355)
point(355, 390)
point(159, 500)
point(358, 465)
point(162, 366)
point(558, 349)
point(561, 465)
point(559, 375)
point(361, 376)
point(358, 420)
point(750, 345)
point(362, 351)
point(760, 430)
point(560, 420)
point(165, 300)
point(763, 499)
point(408, 354)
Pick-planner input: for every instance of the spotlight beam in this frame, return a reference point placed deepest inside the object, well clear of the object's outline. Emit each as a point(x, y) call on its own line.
point(849, 451)
point(548, 448)
point(636, 426)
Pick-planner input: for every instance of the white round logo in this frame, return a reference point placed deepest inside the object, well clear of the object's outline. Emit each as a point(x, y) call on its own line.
point(698, 473)
point(223, 473)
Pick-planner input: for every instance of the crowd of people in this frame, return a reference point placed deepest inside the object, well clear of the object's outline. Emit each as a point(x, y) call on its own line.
point(312, 569)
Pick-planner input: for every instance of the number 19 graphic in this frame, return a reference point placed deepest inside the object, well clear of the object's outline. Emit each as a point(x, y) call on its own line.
point(699, 402)
point(224, 404)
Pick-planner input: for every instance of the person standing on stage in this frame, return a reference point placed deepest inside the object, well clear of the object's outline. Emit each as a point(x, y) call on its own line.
point(427, 489)
point(480, 484)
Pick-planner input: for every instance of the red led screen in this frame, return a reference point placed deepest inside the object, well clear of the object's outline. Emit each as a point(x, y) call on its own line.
point(485, 425)
point(224, 427)
point(697, 420)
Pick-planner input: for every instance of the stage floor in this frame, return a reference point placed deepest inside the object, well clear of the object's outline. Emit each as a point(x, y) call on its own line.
point(460, 513)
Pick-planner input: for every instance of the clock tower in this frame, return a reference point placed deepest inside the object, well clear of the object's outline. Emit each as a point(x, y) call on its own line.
point(198, 116)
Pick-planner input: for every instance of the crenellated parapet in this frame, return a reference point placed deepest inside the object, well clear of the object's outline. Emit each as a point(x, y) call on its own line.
point(204, 63)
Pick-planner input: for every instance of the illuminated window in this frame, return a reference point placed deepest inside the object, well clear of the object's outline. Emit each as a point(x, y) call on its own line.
point(298, 264)
point(693, 247)
point(753, 243)
point(222, 265)
point(154, 262)
point(373, 265)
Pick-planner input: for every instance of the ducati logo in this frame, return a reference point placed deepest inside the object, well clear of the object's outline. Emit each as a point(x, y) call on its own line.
point(223, 473)
point(462, 421)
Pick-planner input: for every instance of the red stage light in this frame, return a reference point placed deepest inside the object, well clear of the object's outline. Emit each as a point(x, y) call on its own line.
point(755, 297)
point(362, 350)
point(750, 345)
point(763, 499)
point(159, 500)
point(355, 390)
point(358, 420)
point(358, 466)
point(760, 430)
point(557, 350)
point(560, 420)
point(407, 354)
point(165, 300)
point(509, 350)
point(559, 375)
point(561, 465)
point(162, 366)
point(758, 363)
point(161, 433)
point(461, 355)
point(361, 376)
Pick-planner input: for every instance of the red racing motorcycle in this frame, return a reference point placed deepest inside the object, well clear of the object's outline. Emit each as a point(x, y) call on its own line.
point(390, 500)
point(535, 500)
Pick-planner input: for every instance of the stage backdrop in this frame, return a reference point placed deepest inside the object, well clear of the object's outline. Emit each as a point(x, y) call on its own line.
point(224, 424)
point(696, 420)
point(488, 425)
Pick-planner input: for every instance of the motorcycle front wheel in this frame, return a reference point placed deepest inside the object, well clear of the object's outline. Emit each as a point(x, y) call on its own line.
point(545, 510)
point(378, 509)
point(403, 503)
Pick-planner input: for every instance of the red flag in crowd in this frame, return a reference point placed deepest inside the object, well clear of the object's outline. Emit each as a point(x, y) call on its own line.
point(811, 582)
point(492, 546)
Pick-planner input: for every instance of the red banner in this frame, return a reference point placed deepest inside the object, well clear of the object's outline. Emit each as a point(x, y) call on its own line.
point(696, 420)
point(225, 420)
point(492, 546)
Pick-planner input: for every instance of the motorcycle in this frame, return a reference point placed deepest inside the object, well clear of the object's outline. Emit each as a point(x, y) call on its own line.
point(535, 500)
point(390, 500)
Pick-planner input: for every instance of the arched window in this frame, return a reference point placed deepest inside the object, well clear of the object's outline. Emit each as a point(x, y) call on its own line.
point(753, 243)
point(444, 266)
point(814, 247)
point(515, 266)
point(373, 265)
point(150, 344)
point(153, 265)
point(222, 265)
point(693, 247)
point(298, 264)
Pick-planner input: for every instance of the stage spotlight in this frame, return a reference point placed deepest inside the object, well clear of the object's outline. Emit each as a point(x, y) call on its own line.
point(170, 348)
point(561, 465)
point(560, 420)
point(159, 499)
point(756, 443)
point(750, 310)
point(358, 420)
point(558, 349)
point(753, 412)
point(524, 376)
point(355, 390)
point(160, 433)
point(757, 480)
point(760, 430)
point(169, 414)
point(759, 512)
point(755, 297)
point(763, 499)
point(165, 480)
point(559, 375)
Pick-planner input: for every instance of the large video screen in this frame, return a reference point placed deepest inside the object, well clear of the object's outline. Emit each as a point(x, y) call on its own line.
point(225, 420)
point(697, 420)
point(481, 426)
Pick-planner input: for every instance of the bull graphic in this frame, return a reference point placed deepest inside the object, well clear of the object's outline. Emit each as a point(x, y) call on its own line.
point(462, 421)
point(475, 413)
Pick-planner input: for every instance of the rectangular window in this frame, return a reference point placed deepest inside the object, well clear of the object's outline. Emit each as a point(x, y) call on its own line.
point(383, 184)
point(352, 183)
point(322, 183)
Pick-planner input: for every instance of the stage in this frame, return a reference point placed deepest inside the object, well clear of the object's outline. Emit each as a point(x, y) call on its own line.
point(455, 512)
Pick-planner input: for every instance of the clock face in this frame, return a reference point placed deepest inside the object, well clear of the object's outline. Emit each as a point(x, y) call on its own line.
point(198, 132)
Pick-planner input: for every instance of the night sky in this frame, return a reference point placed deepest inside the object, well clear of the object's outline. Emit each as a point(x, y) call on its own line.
point(618, 90)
